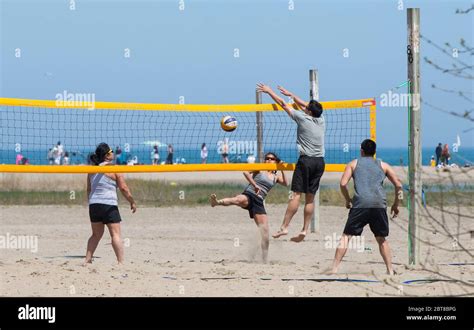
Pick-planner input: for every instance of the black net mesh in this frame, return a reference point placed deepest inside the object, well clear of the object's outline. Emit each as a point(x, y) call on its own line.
point(32, 134)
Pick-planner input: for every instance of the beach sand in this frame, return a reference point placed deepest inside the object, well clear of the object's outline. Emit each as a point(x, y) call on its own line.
point(204, 251)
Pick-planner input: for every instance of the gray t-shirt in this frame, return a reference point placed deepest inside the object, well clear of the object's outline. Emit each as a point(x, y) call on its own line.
point(310, 134)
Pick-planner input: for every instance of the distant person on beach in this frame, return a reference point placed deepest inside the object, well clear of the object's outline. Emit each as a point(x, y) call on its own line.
point(204, 153)
point(310, 166)
point(432, 162)
point(438, 152)
point(50, 156)
point(253, 197)
point(18, 159)
point(369, 203)
point(169, 158)
point(132, 160)
point(21, 160)
point(66, 158)
point(118, 156)
point(56, 157)
point(445, 155)
point(225, 151)
point(103, 202)
point(155, 155)
point(58, 150)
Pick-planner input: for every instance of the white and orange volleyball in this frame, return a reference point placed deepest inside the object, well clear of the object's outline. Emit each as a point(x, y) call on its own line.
point(229, 123)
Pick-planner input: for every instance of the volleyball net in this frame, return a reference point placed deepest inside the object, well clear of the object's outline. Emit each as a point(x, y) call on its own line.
point(58, 137)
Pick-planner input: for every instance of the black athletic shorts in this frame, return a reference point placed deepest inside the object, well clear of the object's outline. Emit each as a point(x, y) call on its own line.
point(104, 213)
point(307, 174)
point(255, 205)
point(358, 218)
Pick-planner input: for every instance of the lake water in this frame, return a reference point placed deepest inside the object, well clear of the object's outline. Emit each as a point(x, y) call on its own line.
point(393, 156)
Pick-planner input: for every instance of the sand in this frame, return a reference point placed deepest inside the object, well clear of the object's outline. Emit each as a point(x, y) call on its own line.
point(204, 251)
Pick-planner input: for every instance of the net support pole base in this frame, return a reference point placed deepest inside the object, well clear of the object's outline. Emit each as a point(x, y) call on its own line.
point(315, 220)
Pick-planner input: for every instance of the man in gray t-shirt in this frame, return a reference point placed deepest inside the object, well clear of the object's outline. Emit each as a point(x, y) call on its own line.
point(310, 165)
point(369, 203)
point(310, 134)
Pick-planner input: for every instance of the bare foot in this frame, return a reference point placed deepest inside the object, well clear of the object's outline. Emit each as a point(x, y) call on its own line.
point(329, 271)
point(279, 233)
point(213, 200)
point(299, 238)
point(87, 262)
point(393, 272)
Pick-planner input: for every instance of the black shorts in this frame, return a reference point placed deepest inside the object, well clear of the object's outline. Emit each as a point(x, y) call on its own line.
point(358, 218)
point(104, 213)
point(255, 205)
point(307, 174)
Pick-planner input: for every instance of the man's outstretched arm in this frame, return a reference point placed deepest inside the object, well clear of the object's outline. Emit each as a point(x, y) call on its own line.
point(301, 104)
point(346, 177)
point(278, 100)
point(390, 173)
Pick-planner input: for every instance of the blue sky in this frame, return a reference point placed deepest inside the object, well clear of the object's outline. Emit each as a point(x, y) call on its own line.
point(190, 53)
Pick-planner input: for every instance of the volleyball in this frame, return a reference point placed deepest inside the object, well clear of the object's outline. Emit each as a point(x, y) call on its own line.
point(228, 123)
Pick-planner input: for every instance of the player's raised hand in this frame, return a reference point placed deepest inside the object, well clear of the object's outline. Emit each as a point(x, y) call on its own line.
point(284, 91)
point(261, 87)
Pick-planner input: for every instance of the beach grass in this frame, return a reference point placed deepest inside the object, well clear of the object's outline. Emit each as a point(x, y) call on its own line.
point(161, 194)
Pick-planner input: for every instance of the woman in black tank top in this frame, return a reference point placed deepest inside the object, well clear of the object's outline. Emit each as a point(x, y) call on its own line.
point(253, 199)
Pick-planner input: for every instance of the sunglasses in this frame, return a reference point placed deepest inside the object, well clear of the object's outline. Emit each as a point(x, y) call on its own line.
point(110, 152)
point(270, 158)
